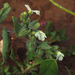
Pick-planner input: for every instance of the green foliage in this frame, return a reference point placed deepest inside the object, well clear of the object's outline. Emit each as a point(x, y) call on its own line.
point(48, 67)
point(39, 54)
point(15, 70)
point(34, 73)
point(5, 45)
point(23, 32)
point(17, 26)
point(44, 45)
point(4, 11)
point(31, 49)
point(55, 36)
point(4, 70)
point(32, 24)
point(72, 48)
point(49, 54)
point(68, 52)
point(55, 47)
point(22, 29)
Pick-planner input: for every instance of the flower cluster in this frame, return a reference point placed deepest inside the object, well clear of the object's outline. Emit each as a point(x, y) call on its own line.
point(42, 36)
point(39, 34)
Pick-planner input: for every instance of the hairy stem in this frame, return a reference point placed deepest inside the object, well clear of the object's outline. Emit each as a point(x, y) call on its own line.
point(62, 7)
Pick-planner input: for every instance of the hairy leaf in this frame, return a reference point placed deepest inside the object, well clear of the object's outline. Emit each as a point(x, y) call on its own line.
point(6, 69)
point(44, 45)
point(17, 25)
point(48, 54)
point(23, 32)
point(5, 45)
point(15, 69)
point(55, 47)
point(34, 73)
point(39, 52)
point(48, 67)
point(4, 11)
point(32, 23)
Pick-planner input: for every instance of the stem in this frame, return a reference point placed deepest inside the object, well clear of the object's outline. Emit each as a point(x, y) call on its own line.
point(32, 66)
point(62, 7)
point(18, 64)
point(68, 70)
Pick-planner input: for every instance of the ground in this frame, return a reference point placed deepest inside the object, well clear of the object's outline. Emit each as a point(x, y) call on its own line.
point(58, 18)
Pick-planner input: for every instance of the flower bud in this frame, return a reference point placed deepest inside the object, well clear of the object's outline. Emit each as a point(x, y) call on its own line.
point(33, 33)
point(25, 13)
point(30, 12)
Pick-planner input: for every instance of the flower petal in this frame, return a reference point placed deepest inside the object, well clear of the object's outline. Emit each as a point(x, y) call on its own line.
point(27, 6)
point(36, 11)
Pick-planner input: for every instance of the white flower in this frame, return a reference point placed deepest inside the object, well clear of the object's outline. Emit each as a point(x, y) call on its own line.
point(59, 56)
point(40, 35)
point(29, 9)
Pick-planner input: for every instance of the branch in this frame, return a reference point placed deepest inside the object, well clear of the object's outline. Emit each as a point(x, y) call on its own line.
point(62, 7)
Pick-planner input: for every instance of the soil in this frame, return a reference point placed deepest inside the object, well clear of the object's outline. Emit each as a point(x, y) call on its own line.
point(58, 18)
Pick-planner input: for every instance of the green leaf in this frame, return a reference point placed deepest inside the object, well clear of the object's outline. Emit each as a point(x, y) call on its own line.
point(39, 52)
point(32, 23)
point(6, 69)
point(30, 55)
point(8, 73)
point(34, 73)
point(5, 45)
point(30, 45)
point(38, 61)
point(49, 67)
point(17, 25)
point(73, 53)
point(24, 73)
point(48, 25)
point(48, 54)
point(62, 33)
point(15, 69)
point(72, 47)
point(23, 32)
point(19, 29)
point(36, 26)
point(44, 45)
point(31, 49)
point(55, 47)
point(58, 38)
point(4, 11)
point(53, 35)
point(47, 33)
